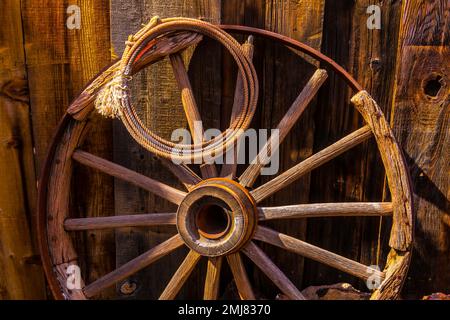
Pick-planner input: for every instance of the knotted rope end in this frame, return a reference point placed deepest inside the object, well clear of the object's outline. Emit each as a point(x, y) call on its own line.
point(109, 100)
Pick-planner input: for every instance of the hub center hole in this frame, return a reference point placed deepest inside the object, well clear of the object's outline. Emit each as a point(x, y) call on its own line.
point(212, 221)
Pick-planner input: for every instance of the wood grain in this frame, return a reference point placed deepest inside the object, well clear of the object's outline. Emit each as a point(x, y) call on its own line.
point(83, 105)
point(187, 98)
point(272, 271)
point(62, 250)
point(397, 175)
point(285, 74)
point(421, 124)
point(212, 280)
point(240, 277)
point(284, 127)
point(318, 254)
point(138, 220)
point(180, 276)
point(311, 163)
point(20, 276)
point(370, 57)
point(228, 170)
point(133, 266)
point(115, 170)
point(315, 210)
point(184, 174)
point(157, 97)
point(59, 63)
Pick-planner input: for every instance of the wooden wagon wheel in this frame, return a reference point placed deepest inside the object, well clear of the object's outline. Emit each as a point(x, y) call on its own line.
point(218, 216)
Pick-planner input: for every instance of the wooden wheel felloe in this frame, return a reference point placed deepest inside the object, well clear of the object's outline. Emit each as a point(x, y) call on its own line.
point(219, 215)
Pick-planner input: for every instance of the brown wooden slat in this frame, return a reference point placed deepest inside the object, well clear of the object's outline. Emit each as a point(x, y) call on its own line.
point(83, 105)
point(180, 276)
point(190, 109)
point(311, 163)
point(420, 119)
point(229, 169)
point(137, 220)
point(287, 122)
point(272, 271)
point(162, 112)
point(115, 170)
point(133, 266)
point(340, 209)
point(318, 254)
point(186, 176)
point(396, 171)
point(18, 279)
point(212, 281)
point(240, 277)
point(187, 97)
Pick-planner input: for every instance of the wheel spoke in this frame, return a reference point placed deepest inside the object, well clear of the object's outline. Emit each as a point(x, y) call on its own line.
point(290, 118)
point(133, 266)
point(171, 194)
point(240, 277)
point(229, 169)
point(315, 253)
point(212, 280)
point(313, 210)
point(180, 276)
point(188, 177)
point(190, 108)
point(187, 97)
point(133, 220)
point(311, 163)
point(272, 271)
point(208, 170)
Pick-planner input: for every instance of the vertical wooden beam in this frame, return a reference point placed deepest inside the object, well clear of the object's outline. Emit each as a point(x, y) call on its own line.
point(285, 75)
point(20, 275)
point(60, 61)
point(371, 58)
point(421, 123)
point(156, 94)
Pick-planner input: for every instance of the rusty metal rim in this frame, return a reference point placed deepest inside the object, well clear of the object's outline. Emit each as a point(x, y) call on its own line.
point(42, 235)
point(298, 46)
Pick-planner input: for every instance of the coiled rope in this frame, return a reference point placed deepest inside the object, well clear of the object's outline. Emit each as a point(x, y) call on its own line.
point(114, 100)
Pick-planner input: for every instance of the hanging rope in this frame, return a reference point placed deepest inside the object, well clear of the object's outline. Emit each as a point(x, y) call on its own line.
point(114, 100)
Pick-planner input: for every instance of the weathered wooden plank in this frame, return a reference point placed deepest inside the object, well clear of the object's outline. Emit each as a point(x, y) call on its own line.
point(316, 160)
point(272, 272)
point(421, 123)
point(284, 127)
point(282, 74)
point(162, 190)
point(212, 279)
point(240, 276)
point(371, 58)
point(137, 220)
point(181, 275)
point(316, 253)
point(60, 61)
point(134, 265)
point(20, 277)
point(336, 209)
point(156, 94)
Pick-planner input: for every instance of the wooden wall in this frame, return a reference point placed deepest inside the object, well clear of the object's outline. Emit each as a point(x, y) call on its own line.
point(43, 65)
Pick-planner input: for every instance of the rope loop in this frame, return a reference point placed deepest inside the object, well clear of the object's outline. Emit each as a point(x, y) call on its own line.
point(114, 100)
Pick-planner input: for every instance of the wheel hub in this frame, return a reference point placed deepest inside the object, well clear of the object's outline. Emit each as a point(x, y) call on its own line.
point(217, 217)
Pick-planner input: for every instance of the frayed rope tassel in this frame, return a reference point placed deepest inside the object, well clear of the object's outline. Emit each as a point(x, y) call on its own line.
point(109, 100)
